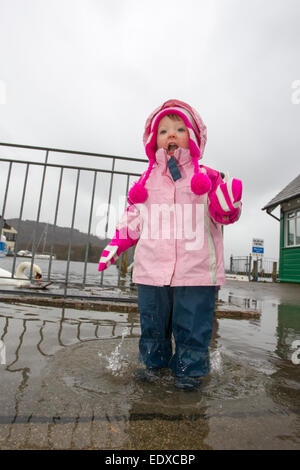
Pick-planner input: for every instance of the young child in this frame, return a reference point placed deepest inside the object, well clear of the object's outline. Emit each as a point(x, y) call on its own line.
point(175, 216)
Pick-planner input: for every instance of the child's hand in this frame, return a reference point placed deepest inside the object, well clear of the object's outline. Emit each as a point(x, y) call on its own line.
point(109, 256)
point(225, 202)
point(120, 243)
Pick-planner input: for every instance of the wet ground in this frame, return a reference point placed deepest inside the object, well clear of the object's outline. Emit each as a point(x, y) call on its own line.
point(67, 380)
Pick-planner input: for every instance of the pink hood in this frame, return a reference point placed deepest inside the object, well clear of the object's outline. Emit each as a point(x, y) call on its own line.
point(198, 124)
point(200, 182)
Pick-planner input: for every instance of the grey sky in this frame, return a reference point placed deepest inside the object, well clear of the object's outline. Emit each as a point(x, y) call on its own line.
point(84, 75)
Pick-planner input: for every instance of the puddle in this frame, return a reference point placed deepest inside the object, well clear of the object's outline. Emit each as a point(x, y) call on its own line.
point(68, 382)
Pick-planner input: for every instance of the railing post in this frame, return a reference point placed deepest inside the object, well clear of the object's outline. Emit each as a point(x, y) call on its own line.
point(249, 267)
point(71, 233)
point(2, 219)
point(89, 228)
point(55, 221)
point(34, 244)
point(108, 208)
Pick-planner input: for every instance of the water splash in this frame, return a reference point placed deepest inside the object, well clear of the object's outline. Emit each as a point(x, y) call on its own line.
point(115, 360)
point(216, 361)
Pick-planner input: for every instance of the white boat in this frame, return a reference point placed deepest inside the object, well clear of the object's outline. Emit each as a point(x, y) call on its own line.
point(25, 253)
point(28, 254)
point(43, 256)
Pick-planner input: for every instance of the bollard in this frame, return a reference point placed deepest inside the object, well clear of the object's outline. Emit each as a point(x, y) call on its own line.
point(124, 264)
point(255, 270)
point(217, 289)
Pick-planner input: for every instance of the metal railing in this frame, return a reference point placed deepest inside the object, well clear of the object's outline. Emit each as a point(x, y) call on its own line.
point(240, 265)
point(246, 265)
point(97, 183)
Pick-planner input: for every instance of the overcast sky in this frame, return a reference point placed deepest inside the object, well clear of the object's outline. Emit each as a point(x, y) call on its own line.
point(85, 74)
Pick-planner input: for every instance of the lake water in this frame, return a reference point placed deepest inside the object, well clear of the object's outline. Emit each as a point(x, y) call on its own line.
point(92, 285)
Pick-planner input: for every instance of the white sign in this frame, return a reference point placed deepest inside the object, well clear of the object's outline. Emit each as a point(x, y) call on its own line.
point(258, 242)
point(258, 247)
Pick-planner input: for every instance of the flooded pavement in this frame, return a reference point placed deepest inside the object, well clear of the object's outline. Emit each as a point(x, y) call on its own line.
point(67, 380)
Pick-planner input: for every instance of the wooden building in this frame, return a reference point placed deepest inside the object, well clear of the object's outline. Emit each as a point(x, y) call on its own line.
point(289, 257)
point(10, 234)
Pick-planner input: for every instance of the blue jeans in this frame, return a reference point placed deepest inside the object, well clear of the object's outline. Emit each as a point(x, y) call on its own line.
point(187, 312)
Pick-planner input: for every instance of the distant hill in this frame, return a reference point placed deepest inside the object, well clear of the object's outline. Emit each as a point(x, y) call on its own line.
point(46, 236)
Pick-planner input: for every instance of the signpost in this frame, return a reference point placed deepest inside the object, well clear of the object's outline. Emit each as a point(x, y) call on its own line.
point(258, 247)
point(258, 253)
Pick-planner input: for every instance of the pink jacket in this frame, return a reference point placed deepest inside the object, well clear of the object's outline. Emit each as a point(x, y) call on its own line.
point(170, 250)
point(178, 233)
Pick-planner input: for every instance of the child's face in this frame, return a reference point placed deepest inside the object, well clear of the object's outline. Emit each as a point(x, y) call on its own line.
point(172, 134)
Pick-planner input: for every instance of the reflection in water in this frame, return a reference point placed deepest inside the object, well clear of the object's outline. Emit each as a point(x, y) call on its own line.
point(69, 382)
point(288, 329)
point(244, 302)
point(285, 384)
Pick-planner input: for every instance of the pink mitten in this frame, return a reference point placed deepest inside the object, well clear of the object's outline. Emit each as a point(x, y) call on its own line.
point(225, 202)
point(112, 251)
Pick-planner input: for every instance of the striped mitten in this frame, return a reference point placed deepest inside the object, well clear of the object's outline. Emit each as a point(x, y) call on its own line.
point(113, 250)
point(225, 202)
